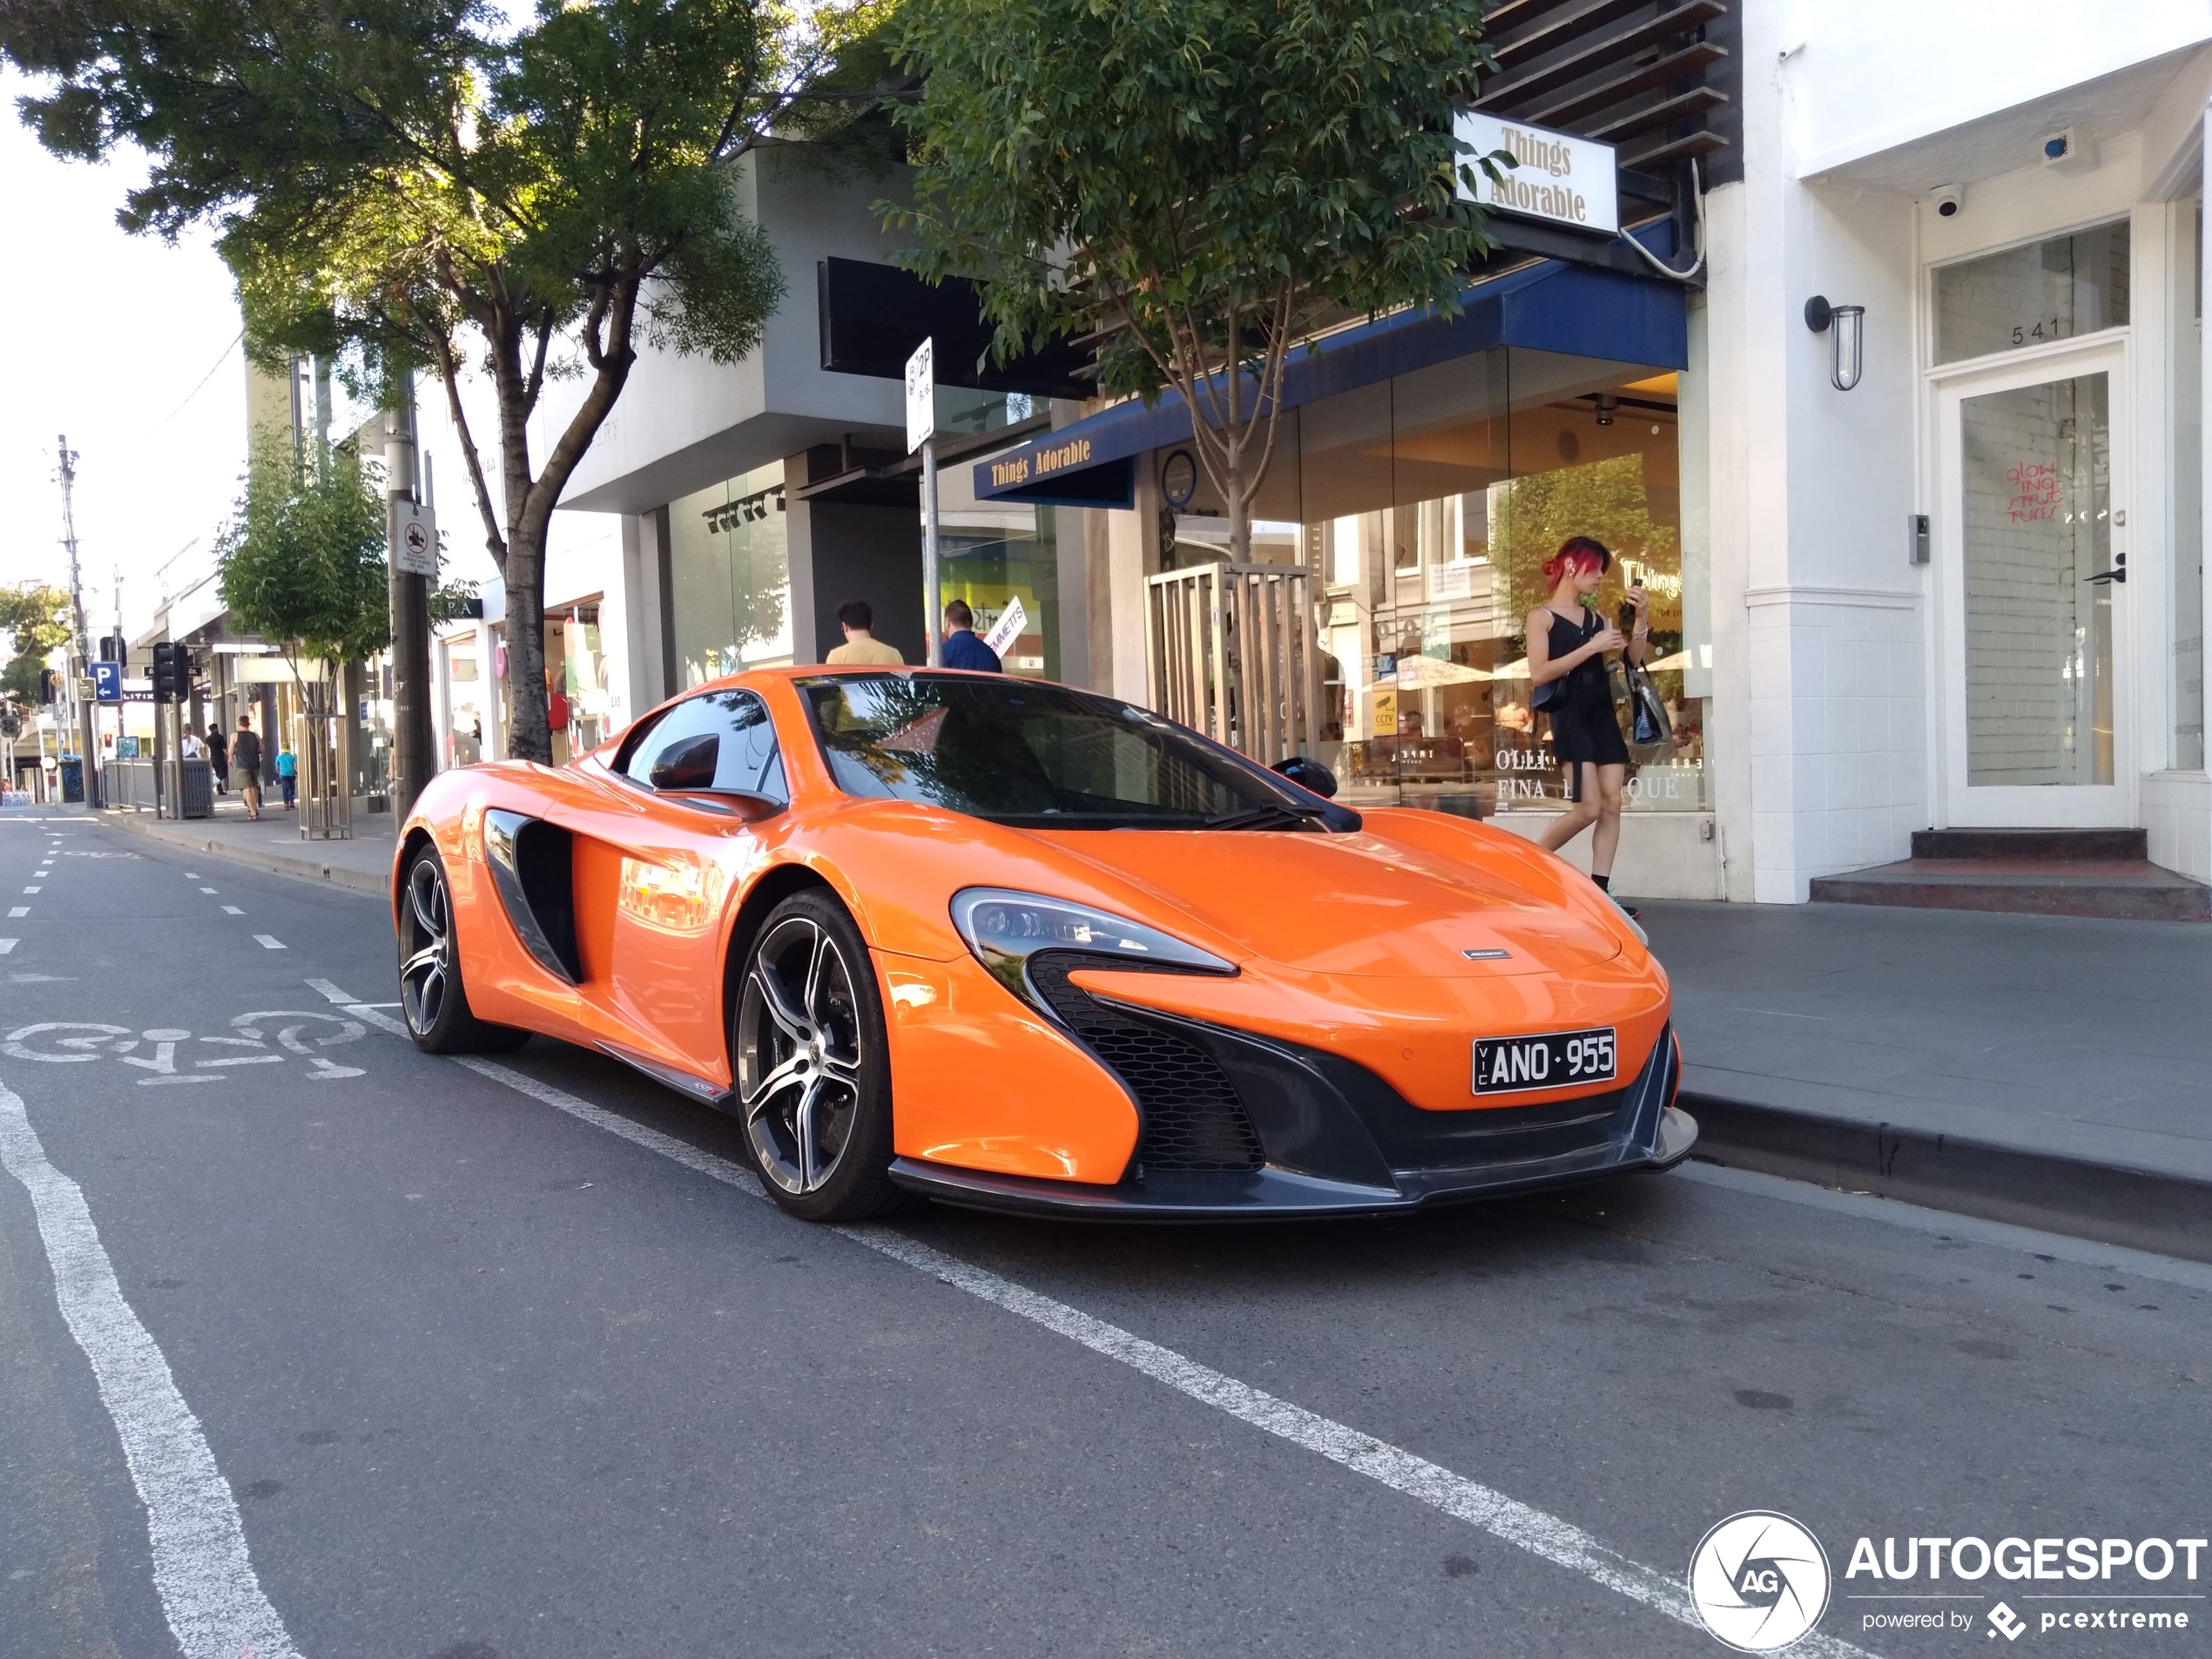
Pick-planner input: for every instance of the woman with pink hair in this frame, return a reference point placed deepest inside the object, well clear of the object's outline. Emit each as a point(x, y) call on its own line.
point(1568, 641)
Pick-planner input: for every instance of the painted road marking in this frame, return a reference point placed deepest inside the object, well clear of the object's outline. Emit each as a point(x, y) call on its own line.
point(18, 910)
point(233, 910)
point(268, 941)
point(330, 992)
point(212, 1599)
point(192, 875)
point(207, 889)
point(34, 889)
point(6, 945)
point(1507, 1518)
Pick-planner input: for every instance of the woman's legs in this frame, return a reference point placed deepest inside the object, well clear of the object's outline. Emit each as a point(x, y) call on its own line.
point(1607, 841)
point(1578, 815)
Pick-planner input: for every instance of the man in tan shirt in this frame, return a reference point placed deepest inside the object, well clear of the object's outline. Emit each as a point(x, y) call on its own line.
point(861, 648)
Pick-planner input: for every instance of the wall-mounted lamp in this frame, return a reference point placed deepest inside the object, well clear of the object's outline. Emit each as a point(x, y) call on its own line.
point(1606, 404)
point(1848, 338)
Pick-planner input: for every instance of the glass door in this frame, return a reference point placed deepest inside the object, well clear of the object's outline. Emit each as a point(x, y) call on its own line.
point(2032, 577)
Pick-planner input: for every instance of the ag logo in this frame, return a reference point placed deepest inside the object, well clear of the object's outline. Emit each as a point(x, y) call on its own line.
point(1759, 1581)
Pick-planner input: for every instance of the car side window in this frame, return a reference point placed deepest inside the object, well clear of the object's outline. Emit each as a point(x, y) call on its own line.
point(714, 741)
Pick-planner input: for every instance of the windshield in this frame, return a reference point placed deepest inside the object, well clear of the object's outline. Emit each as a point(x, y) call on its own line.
point(1036, 756)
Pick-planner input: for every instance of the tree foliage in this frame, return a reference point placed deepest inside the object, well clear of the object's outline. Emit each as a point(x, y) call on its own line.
point(413, 184)
point(1200, 183)
point(36, 620)
point(302, 558)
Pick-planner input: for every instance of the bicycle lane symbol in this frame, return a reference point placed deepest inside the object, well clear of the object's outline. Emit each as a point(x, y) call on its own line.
point(297, 1033)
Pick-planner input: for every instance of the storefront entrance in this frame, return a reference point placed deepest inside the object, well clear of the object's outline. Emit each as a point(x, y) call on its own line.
point(2033, 574)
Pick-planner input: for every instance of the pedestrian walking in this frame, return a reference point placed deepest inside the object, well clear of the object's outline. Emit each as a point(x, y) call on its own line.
point(191, 748)
point(219, 756)
point(962, 648)
point(287, 772)
point(1569, 641)
point(861, 647)
point(245, 755)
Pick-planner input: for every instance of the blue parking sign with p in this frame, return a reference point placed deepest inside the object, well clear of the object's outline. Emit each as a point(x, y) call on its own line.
point(107, 682)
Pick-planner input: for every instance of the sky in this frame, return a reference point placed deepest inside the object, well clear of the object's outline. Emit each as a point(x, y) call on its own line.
point(132, 349)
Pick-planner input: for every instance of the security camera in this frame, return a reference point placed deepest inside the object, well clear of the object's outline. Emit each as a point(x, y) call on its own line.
point(1949, 199)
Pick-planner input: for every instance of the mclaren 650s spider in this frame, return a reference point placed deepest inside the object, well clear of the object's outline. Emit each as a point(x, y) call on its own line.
point(1005, 943)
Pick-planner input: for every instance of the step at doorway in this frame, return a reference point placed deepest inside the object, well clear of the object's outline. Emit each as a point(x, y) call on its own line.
point(2104, 873)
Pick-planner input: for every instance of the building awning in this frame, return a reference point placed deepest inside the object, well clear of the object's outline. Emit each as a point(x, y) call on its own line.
point(1577, 310)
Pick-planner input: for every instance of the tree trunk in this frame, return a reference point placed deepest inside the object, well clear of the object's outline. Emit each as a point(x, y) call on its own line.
point(530, 734)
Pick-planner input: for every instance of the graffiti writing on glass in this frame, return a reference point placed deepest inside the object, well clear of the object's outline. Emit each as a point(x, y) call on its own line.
point(2036, 493)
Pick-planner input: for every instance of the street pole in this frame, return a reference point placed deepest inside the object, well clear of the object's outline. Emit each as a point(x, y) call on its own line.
point(921, 434)
point(87, 736)
point(410, 596)
point(932, 592)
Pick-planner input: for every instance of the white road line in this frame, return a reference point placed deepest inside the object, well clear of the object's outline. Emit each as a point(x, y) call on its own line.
point(330, 992)
point(18, 910)
point(207, 889)
point(32, 889)
point(233, 910)
point(214, 1602)
point(268, 941)
point(6, 945)
point(1503, 1517)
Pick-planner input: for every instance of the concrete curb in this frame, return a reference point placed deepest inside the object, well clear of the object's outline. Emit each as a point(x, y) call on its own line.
point(2109, 1203)
point(305, 867)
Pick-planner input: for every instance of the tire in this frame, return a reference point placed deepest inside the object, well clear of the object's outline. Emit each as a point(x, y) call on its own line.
point(812, 1064)
point(433, 1000)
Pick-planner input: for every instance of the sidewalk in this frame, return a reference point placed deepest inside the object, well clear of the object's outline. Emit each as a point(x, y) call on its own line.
point(363, 864)
point(2051, 1071)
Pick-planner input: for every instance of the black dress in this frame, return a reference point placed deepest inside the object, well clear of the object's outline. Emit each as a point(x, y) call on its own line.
point(1584, 727)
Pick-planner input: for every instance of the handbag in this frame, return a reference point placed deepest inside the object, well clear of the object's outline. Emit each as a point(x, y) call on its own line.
point(1650, 728)
point(1551, 696)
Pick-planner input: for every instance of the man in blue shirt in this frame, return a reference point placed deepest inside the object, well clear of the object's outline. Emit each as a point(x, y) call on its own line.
point(962, 648)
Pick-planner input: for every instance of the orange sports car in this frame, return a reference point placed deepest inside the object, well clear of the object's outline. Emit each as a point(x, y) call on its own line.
point(1006, 943)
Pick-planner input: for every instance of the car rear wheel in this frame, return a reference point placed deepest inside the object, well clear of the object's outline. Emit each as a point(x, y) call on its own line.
point(813, 1082)
point(432, 997)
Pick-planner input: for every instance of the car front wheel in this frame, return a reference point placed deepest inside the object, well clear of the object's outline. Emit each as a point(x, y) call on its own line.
point(813, 1081)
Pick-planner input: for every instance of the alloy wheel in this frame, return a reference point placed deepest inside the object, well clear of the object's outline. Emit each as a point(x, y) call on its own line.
point(799, 1055)
point(425, 974)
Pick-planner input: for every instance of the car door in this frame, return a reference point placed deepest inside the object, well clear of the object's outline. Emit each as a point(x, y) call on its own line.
point(680, 859)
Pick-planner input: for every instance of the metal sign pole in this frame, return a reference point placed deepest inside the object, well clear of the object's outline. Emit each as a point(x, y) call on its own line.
point(921, 434)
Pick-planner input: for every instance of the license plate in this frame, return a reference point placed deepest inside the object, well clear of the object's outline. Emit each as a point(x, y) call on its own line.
point(1556, 1060)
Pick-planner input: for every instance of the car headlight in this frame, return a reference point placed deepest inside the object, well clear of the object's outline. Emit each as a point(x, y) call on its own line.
point(1005, 928)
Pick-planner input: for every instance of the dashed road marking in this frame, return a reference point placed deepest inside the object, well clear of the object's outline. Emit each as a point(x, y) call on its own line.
point(18, 910)
point(268, 941)
point(34, 889)
point(207, 889)
point(202, 1571)
point(233, 910)
point(330, 992)
point(6, 945)
point(1507, 1519)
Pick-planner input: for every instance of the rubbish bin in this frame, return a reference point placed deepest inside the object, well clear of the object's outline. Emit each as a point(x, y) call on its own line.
point(72, 778)
point(199, 790)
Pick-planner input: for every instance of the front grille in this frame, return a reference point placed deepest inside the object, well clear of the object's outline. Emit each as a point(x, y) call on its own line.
point(1190, 1114)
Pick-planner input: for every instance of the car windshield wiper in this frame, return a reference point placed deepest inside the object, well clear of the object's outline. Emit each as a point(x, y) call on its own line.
point(1285, 813)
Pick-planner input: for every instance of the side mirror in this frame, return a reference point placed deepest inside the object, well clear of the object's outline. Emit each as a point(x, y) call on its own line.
point(689, 764)
point(1308, 773)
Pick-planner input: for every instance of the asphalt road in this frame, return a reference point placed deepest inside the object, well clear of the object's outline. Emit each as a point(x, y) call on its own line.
point(454, 1368)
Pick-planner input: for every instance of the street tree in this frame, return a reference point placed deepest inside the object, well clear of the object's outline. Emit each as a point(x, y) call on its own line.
point(1194, 184)
point(37, 621)
point(300, 561)
point(409, 184)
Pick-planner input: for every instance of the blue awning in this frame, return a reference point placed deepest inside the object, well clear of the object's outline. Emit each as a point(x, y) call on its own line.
point(1578, 310)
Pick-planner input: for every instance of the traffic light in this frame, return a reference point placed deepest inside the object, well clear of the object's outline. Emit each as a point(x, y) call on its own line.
point(171, 672)
point(114, 649)
point(50, 685)
point(11, 725)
